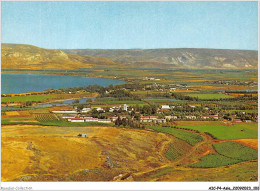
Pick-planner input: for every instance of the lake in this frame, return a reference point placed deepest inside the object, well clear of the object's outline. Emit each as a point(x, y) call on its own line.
point(20, 83)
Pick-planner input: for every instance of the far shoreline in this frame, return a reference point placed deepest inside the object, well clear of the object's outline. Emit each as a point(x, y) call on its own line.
point(32, 72)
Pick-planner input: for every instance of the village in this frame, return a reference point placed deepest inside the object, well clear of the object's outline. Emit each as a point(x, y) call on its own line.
point(127, 112)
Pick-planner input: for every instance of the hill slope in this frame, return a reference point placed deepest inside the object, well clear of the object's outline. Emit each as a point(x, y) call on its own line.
point(179, 58)
point(19, 56)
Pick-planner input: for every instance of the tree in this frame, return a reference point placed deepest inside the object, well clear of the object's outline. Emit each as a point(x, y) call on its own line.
point(75, 101)
point(136, 108)
point(124, 122)
point(80, 107)
point(118, 122)
point(147, 110)
point(28, 103)
point(154, 109)
point(107, 109)
point(137, 116)
point(89, 100)
point(94, 112)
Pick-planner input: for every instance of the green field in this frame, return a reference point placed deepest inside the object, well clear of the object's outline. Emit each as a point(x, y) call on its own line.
point(161, 172)
point(172, 153)
point(18, 121)
point(237, 131)
point(214, 160)
point(45, 117)
point(7, 121)
point(209, 96)
point(27, 98)
point(228, 153)
point(15, 120)
point(247, 111)
point(236, 150)
point(164, 101)
point(191, 138)
point(70, 124)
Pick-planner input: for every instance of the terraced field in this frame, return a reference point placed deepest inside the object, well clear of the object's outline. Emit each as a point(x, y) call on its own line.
point(189, 137)
point(236, 151)
point(215, 160)
point(45, 117)
point(227, 153)
point(172, 153)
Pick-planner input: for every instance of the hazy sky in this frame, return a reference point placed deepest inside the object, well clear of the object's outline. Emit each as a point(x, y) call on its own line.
point(115, 25)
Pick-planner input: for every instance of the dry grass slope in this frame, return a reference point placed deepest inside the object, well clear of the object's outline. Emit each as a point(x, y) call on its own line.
point(19, 56)
point(40, 151)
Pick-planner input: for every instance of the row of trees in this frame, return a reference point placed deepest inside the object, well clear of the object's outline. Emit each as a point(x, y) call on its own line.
point(128, 123)
point(120, 94)
point(183, 97)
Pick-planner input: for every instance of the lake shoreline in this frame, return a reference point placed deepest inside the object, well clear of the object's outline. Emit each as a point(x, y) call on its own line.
point(58, 74)
point(91, 80)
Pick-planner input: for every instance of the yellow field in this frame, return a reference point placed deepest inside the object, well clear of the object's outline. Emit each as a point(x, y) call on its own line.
point(231, 87)
point(236, 172)
point(35, 151)
point(183, 91)
point(12, 113)
point(241, 94)
point(199, 123)
point(249, 142)
point(197, 105)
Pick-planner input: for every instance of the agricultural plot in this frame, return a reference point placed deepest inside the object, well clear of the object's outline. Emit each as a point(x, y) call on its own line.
point(32, 98)
point(69, 124)
point(236, 151)
point(253, 143)
point(214, 160)
point(17, 120)
point(237, 131)
point(189, 137)
point(172, 153)
point(228, 153)
point(44, 117)
point(16, 117)
point(39, 111)
point(210, 96)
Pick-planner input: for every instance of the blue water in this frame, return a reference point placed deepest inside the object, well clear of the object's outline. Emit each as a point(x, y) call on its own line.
point(82, 100)
point(21, 83)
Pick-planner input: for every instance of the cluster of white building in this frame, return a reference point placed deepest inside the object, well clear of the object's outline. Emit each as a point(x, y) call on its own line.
point(73, 118)
point(145, 119)
point(88, 109)
point(72, 115)
point(149, 78)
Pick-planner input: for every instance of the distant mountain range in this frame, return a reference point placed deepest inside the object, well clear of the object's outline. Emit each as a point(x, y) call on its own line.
point(32, 57)
point(19, 56)
point(179, 58)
